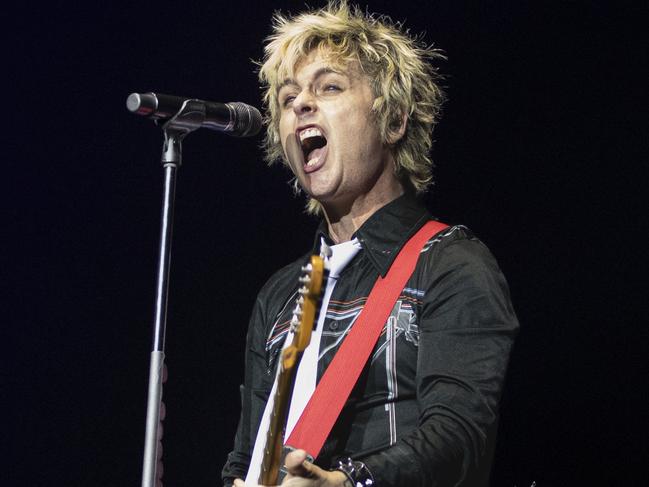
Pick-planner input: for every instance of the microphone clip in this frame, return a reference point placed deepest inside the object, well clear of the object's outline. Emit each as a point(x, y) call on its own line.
point(189, 118)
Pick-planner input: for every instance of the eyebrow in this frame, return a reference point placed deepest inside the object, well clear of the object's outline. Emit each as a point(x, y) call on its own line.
point(320, 72)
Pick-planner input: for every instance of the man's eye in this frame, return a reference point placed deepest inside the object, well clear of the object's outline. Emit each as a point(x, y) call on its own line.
point(331, 87)
point(288, 100)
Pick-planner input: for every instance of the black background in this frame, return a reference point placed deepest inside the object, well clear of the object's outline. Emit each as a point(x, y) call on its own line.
point(540, 152)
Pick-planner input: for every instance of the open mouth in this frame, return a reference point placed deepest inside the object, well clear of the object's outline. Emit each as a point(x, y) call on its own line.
point(314, 147)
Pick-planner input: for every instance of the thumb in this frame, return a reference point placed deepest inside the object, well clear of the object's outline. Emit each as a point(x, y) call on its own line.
point(297, 465)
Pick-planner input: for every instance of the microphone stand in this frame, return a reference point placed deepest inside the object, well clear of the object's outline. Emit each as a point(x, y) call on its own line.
point(189, 118)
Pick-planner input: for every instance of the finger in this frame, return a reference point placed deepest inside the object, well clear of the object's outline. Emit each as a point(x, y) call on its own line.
point(312, 471)
point(239, 483)
point(163, 411)
point(165, 373)
point(294, 463)
point(297, 465)
point(160, 470)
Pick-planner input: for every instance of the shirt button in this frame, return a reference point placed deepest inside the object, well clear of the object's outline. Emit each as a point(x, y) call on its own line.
point(333, 325)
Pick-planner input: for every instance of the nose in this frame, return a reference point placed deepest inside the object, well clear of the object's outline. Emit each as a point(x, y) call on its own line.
point(304, 103)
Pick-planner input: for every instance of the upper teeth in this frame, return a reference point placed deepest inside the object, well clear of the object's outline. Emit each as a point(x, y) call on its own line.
point(310, 132)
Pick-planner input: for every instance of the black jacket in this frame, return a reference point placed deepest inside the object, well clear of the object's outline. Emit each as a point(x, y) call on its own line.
point(424, 413)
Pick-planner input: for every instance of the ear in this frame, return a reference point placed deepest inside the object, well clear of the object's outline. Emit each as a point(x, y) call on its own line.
point(397, 128)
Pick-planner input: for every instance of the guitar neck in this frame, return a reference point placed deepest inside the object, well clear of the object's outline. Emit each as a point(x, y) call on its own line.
point(269, 473)
point(301, 326)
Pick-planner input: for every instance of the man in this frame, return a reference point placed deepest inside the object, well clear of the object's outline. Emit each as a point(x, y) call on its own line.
point(352, 101)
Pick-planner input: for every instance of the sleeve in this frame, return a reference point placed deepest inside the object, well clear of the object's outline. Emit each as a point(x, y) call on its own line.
point(254, 394)
point(467, 327)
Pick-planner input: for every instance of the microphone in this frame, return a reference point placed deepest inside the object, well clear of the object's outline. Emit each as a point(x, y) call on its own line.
point(233, 118)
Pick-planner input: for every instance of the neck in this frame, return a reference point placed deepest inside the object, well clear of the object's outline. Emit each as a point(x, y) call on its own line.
point(344, 220)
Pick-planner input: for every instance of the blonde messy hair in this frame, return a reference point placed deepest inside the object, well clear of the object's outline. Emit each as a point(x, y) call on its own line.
point(396, 65)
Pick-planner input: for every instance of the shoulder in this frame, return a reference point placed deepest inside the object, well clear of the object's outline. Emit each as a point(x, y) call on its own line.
point(461, 283)
point(284, 277)
point(278, 288)
point(456, 253)
point(456, 242)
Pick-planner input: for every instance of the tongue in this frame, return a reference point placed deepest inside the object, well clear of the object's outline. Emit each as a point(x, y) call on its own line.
point(314, 154)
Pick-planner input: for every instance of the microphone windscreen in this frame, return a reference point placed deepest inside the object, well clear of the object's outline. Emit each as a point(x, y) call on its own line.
point(247, 120)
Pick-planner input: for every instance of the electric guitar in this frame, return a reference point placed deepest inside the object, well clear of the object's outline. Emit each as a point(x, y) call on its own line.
point(304, 316)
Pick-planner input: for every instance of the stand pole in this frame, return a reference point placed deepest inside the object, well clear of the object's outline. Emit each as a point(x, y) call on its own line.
point(189, 118)
point(157, 354)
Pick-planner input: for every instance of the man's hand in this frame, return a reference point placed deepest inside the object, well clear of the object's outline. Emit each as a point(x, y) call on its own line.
point(302, 473)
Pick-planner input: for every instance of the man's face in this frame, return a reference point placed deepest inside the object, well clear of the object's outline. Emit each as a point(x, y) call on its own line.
point(330, 138)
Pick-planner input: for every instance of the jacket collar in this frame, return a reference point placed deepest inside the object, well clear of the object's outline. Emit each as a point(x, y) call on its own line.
point(384, 233)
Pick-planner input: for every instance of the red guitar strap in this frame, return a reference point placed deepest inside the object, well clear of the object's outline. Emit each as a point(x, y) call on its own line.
point(336, 384)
